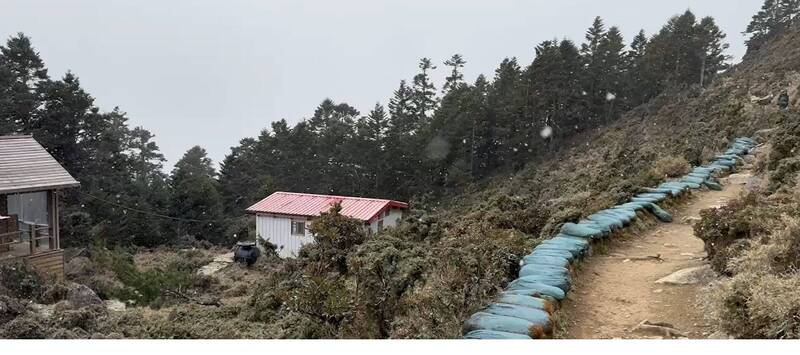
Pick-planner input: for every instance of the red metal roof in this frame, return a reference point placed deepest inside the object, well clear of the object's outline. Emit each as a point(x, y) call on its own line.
point(311, 205)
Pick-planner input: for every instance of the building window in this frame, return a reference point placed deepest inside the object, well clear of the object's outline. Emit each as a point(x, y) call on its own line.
point(386, 213)
point(380, 225)
point(298, 228)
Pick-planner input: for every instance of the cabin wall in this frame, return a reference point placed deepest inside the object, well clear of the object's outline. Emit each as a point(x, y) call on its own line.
point(278, 230)
point(389, 220)
point(50, 263)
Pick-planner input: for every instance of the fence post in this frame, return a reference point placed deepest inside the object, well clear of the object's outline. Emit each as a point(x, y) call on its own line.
point(32, 239)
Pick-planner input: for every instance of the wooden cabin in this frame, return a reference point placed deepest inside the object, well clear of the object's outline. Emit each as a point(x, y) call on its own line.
point(30, 182)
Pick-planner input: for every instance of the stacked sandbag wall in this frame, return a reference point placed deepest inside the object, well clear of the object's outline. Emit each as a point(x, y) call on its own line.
point(524, 310)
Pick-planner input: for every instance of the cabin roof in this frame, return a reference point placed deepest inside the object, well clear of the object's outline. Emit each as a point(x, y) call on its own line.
point(25, 166)
point(312, 205)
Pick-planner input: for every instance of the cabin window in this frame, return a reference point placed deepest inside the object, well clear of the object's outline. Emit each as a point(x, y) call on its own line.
point(298, 228)
point(386, 213)
point(380, 224)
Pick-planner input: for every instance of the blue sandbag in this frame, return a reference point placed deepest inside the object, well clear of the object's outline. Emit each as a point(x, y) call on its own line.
point(488, 321)
point(713, 185)
point(576, 250)
point(602, 227)
point(691, 185)
point(692, 179)
point(543, 270)
point(493, 335)
point(544, 259)
point(644, 199)
point(621, 216)
point(613, 222)
point(724, 162)
point(656, 195)
point(566, 239)
point(527, 301)
point(537, 289)
point(733, 157)
point(720, 167)
point(675, 187)
point(661, 190)
point(699, 175)
point(543, 256)
point(702, 169)
point(580, 231)
point(563, 283)
point(533, 315)
point(626, 216)
point(555, 268)
point(660, 213)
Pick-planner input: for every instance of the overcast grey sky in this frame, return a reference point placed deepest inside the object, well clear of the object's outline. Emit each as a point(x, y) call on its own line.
point(213, 72)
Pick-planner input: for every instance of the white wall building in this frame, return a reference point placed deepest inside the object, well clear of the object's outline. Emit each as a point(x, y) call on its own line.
point(284, 218)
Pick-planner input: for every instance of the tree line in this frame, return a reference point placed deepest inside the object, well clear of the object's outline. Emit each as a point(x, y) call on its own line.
point(429, 139)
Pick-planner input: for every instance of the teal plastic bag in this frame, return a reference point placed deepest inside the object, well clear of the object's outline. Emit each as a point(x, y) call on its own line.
point(538, 289)
point(488, 321)
point(484, 334)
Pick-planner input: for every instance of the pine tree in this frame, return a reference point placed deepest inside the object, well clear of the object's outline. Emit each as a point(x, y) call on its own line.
point(23, 69)
point(714, 59)
point(456, 77)
point(685, 51)
point(371, 147)
point(638, 85)
point(58, 125)
point(612, 86)
point(594, 35)
point(196, 197)
point(512, 132)
point(401, 110)
point(774, 16)
point(424, 93)
point(595, 67)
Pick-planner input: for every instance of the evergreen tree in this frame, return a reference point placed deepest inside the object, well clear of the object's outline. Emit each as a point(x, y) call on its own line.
point(370, 148)
point(23, 71)
point(637, 76)
point(774, 16)
point(595, 69)
point(713, 48)
point(612, 86)
point(456, 77)
point(196, 198)
point(59, 124)
point(424, 93)
point(685, 51)
point(512, 133)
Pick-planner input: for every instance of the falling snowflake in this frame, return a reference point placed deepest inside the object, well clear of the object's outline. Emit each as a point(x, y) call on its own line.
point(610, 96)
point(546, 132)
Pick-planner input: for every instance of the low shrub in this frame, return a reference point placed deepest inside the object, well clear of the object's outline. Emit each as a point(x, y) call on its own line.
point(721, 228)
point(21, 280)
point(756, 305)
point(668, 167)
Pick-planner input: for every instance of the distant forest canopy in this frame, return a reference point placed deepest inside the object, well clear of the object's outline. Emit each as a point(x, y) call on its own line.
point(429, 139)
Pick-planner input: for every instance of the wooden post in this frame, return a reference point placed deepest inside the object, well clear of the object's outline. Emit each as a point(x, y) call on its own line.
point(52, 219)
point(32, 239)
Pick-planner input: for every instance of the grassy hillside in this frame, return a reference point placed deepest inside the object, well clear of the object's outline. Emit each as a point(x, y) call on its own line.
point(424, 277)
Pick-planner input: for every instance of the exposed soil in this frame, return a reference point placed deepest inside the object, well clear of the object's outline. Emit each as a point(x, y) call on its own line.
point(615, 290)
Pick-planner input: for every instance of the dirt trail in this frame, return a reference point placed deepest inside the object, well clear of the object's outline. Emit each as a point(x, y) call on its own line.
point(616, 290)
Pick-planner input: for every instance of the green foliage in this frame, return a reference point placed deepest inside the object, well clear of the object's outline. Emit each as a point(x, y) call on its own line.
point(774, 16)
point(151, 286)
point(667, 167)
point(21, 280)
point(721, 228)
point(196, 199)
point(334, 230)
